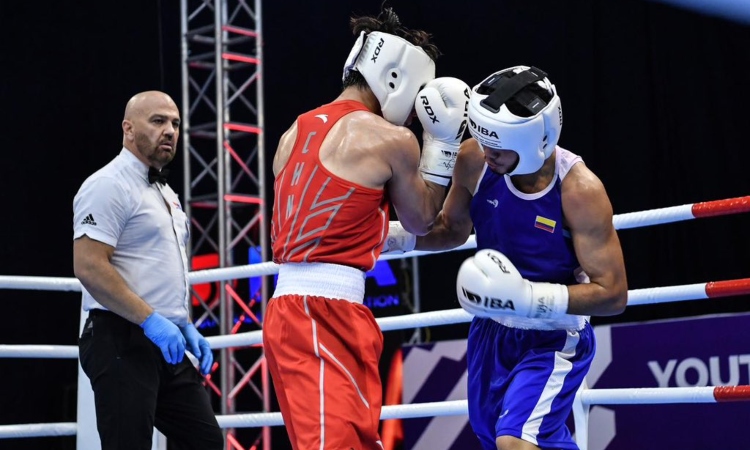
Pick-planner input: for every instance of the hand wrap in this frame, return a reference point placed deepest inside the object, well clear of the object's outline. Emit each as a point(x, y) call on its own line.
point(398, 240)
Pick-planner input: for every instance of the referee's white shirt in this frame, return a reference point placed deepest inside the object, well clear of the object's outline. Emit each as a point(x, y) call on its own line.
point(147, 227)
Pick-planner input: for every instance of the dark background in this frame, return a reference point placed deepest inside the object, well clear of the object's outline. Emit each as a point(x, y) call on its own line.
point(655, 101)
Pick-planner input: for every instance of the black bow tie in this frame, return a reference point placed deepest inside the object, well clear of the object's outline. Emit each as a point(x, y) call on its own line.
point(154, 175)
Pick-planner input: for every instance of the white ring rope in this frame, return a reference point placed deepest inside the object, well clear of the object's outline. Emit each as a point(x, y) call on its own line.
point(653, 217)
point(701, 394)
point(636, 297)
point(39, 283)
point(39, 351)
point(621, 221)
point(648, 396)
point(38, 430)
point(412, 411)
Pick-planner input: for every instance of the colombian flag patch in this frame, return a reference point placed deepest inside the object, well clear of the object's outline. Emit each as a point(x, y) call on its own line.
point(545, 224)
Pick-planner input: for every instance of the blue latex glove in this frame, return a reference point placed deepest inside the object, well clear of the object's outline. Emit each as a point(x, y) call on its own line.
point(199, 347)
point(166, 336)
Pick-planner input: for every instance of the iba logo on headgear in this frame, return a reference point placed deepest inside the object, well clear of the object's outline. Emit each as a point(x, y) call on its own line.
point(482, 130)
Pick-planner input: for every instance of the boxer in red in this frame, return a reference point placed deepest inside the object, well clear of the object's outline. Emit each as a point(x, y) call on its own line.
point(338, 169)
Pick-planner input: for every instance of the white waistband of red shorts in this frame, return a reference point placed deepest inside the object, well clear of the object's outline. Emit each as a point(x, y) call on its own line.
point(321, 280)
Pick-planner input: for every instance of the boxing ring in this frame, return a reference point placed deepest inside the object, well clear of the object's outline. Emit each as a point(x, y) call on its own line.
point(585, 399)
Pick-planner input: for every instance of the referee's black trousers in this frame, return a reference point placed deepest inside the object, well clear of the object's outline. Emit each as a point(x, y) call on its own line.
point(135, 390)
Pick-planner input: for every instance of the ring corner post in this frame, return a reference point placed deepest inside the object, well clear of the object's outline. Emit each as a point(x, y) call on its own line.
point(581, 419)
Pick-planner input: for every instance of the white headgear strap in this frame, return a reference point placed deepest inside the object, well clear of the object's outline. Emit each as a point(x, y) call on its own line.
point(394, 69)
point(493, 125)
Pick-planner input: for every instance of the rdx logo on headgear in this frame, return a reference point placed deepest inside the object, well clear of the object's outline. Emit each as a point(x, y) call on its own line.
point(377, 50)
point(488, 302)
point(428, 109)
point(482, 130)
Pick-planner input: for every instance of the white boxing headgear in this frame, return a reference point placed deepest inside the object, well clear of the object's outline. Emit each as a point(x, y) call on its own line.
point(534, 134)
point(394, 69)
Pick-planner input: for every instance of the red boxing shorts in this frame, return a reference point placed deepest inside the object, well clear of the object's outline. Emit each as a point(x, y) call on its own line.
point(323, 357)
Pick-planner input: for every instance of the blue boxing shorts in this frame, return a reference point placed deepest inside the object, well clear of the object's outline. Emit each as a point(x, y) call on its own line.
point(522, 383)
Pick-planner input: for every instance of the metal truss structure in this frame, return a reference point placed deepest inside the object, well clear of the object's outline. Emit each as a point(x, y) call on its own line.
point(224, 191)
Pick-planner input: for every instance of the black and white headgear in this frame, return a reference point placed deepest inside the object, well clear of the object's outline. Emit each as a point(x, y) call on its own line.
point(533, 132)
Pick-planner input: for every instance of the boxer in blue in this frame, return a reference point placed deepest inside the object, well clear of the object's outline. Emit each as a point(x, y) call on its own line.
point(549, 259)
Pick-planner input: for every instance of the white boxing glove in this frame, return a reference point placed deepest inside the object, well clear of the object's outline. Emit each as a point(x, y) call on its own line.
point(489, 285)
point(443, 109)
point(398, 240)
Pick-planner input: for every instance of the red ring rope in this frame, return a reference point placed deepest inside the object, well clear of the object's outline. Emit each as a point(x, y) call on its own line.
point(732, 393)
point(721, 207)
point(727, 288)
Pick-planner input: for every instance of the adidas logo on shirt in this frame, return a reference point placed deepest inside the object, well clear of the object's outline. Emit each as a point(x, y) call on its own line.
point(89, 220)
